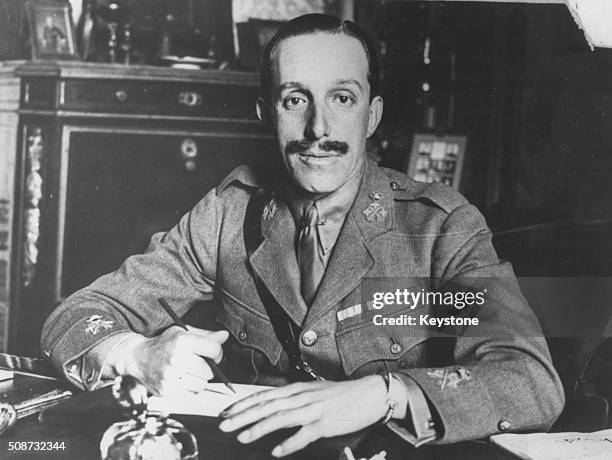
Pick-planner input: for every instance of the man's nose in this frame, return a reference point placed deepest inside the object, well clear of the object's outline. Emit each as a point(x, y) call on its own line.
point(318, 123)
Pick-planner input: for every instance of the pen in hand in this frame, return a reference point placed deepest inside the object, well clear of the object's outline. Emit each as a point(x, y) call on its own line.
point(179, 322)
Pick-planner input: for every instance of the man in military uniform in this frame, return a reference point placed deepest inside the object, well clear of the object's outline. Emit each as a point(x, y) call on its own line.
point(289, 286)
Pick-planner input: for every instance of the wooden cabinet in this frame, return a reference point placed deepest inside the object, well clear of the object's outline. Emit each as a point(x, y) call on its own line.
point(96, 158)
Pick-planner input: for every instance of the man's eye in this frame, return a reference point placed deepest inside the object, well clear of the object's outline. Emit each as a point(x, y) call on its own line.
point(343, 99)
point(295, 102)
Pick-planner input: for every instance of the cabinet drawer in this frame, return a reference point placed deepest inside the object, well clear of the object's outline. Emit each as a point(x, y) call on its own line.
point(159, 98)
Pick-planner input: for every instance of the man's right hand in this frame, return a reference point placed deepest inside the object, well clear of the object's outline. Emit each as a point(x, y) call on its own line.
point(171, 363)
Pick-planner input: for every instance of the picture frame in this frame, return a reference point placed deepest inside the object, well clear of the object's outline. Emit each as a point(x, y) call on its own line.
point(51, 31)
point(437, 158)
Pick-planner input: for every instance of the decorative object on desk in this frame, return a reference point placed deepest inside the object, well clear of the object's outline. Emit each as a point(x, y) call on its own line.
point(51, 32)
point(190, 32)
point(184, 33)
point(126, 44)
point(84, 30)
point(147, 435)
point(437, 158)
point(115, 14)
point(9, 413)
point(181, 44)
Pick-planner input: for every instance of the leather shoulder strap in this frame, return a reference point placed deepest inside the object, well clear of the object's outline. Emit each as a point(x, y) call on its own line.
point(287, 332)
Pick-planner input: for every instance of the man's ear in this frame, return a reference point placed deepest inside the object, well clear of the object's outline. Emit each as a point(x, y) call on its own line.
point(376, 111)
point(262, 111)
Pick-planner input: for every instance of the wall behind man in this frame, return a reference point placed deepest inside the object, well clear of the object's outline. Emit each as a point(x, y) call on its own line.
point(557, 160)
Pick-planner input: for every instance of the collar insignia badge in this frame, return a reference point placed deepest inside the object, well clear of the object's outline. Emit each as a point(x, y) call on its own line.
point(270, 209)
point(96, 323)
point(375, 212)
point(450, 378)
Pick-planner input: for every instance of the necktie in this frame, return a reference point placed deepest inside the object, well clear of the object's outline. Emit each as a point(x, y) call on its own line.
point(309, 257)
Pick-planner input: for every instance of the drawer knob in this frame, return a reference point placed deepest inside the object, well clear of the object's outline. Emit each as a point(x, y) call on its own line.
point(121, 95)
point(189, 151)
point(190, 98)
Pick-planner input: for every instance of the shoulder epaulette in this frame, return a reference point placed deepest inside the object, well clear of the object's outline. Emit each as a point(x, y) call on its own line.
point(438, 194)
point(243, 174)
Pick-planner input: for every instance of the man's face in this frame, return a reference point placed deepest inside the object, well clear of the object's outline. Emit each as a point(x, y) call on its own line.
point(320, 109)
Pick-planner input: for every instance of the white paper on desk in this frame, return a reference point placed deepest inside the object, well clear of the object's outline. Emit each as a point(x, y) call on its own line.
point(558, 446)
point(209, 403)
point(6, 375)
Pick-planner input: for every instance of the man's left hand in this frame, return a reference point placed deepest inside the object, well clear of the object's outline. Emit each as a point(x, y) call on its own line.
point(322, 409)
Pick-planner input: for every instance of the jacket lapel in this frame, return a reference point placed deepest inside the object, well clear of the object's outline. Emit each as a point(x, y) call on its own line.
point(372, 214)
point(275, 262)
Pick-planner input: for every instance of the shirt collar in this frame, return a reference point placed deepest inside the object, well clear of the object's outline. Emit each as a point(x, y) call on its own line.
point(332, 208)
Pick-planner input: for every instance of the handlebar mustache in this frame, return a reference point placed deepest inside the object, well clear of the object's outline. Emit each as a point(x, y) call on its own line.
point(303, 145)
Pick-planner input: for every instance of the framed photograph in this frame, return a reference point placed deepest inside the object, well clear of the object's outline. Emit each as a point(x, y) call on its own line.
point(51, 31)
point(437, 158)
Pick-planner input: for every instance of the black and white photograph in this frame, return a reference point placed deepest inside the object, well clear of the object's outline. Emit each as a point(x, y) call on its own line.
point(306, 229)
point(51, 31)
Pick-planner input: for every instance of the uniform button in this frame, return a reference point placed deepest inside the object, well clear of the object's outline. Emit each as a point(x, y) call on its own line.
point(242, 336)
point(309, 338)
point(396, 348)
point(504, 425)
point(394, 186)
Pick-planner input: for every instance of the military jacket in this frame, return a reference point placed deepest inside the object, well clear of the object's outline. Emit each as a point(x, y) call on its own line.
point(476, 385)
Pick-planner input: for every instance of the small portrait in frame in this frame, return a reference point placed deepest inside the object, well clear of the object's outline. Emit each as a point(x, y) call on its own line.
point(51, 31)
point(437, 158)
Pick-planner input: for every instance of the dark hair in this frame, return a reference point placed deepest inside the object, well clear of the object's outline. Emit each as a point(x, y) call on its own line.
point(313, 23)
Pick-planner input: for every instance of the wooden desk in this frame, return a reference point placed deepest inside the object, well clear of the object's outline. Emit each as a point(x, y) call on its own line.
point(83, 443)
